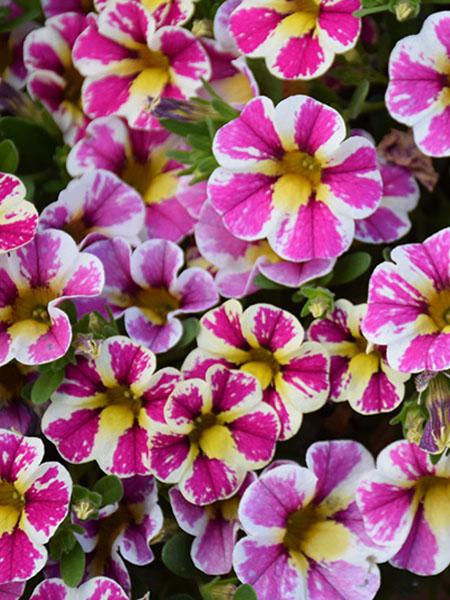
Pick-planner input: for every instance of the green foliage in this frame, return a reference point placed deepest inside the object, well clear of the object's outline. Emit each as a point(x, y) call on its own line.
point(177, 558)
point(110, 488)
point(245, 592)
point(350, 266)
point(46, 384)
point(72, 565)
point(9, 157)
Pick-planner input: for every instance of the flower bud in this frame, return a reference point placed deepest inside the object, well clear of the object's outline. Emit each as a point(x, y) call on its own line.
point(436, 433)
point(406, 9)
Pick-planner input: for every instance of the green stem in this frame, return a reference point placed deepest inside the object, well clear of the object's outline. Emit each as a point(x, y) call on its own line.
point(364, 12)
point(370, 107)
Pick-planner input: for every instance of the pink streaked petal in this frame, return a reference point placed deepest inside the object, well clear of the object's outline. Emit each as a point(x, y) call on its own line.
point(20, 455)
point(404, 462)
point(197, 290)
point(384, 226)
point(255, 435)
point(46, 501)
point(431, 133)
point(338, 466)
point(158, 338)
point(208, 480)
point(251, 26)
point(342, 579)
point(251, 139)
point(266, 567)
point(170, 456)
point(308, 125)
point(221, 331)
point(412, 64)
point(106, 95)
point(244, 200)
point(87, 278)
point(383, 393)
point(234, 393)
point(313, 232)
point(268, 502)
point(420, 352)
point(127, 22)
point(400, 188)
point(73, 431)
point(155, 263)
point(212, 550)
point(339, 29)
point(103, 147)
point(190, 517)
point(388, 510)
point(46, 49)
point(115, 256)
point(302, 57)
point(221, 26)
point(197, 363)
point(20, 557)
point(159, 388)
point(168, 220)
point(131, 454)
point(187, 401)
point(102, 588)
point(351, 182)
point(272, 328)
point(293, 274)
point(18, 218)
point(12, 591)
point(123, 362)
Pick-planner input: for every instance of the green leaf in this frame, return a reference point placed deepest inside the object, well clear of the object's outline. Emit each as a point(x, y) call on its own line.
point(35, 145)
point(72, 566)
point(245, 592)
point(9, 157)
point(266, 284)
point(350, 267)
point(20, 20)
point(359, 97)
point(176, 556)
point(110, 488)
point(47, 383)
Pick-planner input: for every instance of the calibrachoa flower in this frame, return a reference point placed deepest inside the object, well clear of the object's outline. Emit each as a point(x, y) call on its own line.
point(123, 532)
point(97, 588)
point(103, 409)
point(359, 372)
point(239, 261)
point(215, 527)
point(139, 158)
point(266, 342)
point(34, 500)
point(165, 12)
point(404, 503)
point(33, 281)
point(97, 205)
point(52, 78)
point(418, 91)
point(18, 218)
point(216, 430)
point(144, 287)
point(303, 539)
point(12, 591)
point(286, 173)
point(409, 305)
point(298, 40)
point(127, 61)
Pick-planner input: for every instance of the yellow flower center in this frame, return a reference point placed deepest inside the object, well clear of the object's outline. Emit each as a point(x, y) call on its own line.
point(32, 304)
point(156, 303)
point(302, 164)
point(123, 396)
point(439, 309)
point(202, 424)
point(299, 175)
point(11, 505)
point(301, 17)
point(298, 525)
point(226, 509)
point(263, 365)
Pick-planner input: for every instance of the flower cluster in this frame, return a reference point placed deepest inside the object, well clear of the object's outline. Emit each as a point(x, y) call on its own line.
point(219, 269)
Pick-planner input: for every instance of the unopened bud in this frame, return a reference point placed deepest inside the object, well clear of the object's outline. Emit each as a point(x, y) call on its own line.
point(202, 28)
point(223, 592)
point(87, 346)
point(318, 307)
point(406, 9)
point(423, 379)
point(436, 433)
point(84, 510)
point(180, 110)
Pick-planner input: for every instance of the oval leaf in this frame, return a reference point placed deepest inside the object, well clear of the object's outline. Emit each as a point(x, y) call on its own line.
point(72, 566)
point(176, 555)
point(245, 592)
point(9, 157)
point(110, 488)
point(47, 383)
point(350, 267)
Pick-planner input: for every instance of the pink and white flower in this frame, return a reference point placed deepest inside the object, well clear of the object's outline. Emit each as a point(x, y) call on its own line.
point(409, 305)
point(239, 262)
point(127, 61)
point(359, 371)
point(33, 282)
point(97, 588)
point(266, 342)
point(15, 414)
point(97, 205)
point(123, 531)
point(287, 174)
point(104, 408)
point(216, 430)
point(390, 221)
point(144, 286)
point(53, 8)
point(298, 40)
point(53, 79)
point(139, 159)
point(304, 529)
point(18, 218)
point(404, 505)
point(165, 12)
point(215, 527)
point(34, 501)
point(418, 93)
